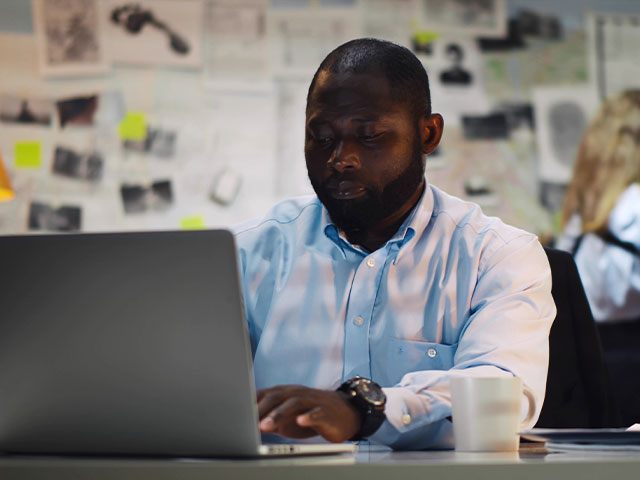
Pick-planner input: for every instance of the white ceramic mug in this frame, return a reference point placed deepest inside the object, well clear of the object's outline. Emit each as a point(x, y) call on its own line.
point(486, 412)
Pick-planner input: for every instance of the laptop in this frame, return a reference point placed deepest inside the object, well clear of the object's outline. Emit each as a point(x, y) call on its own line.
point(128, 344)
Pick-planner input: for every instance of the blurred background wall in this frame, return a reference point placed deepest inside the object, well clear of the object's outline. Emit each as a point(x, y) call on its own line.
point(169, 114)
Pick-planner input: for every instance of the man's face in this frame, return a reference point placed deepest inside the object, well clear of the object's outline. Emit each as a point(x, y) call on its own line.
point(363, 149)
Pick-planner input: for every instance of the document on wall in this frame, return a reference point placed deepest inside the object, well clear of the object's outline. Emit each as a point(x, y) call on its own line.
point(236, 43)
point(388, 19)
point(614, 55)
point(300, 39)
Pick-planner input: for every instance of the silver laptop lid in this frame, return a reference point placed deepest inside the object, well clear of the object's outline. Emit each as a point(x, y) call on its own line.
point(124, 343)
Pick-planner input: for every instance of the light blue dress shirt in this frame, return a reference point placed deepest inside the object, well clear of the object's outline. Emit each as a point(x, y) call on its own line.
point(452, 292)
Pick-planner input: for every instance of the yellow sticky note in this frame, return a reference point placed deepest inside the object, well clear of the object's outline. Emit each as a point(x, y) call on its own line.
point(195, 222)
point(133, 126)
point(425, 37)
point(27, 154)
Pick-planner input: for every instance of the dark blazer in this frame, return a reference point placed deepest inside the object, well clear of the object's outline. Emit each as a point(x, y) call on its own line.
point(578, 388)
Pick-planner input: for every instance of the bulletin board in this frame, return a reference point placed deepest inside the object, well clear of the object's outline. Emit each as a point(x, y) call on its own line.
point(190, 113)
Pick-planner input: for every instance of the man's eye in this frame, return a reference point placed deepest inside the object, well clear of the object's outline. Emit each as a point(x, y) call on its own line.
point(369, 137)
point(324, 140)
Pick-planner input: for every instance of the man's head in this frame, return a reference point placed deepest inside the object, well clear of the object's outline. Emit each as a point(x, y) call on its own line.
point(368, 127)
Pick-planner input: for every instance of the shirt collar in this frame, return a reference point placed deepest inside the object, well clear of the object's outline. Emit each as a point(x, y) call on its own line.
point(413, 226)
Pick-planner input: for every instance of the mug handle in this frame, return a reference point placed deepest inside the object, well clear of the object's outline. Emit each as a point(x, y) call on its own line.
point(531, 412)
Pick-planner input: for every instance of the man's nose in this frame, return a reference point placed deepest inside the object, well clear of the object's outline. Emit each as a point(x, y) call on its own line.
point(344, 157)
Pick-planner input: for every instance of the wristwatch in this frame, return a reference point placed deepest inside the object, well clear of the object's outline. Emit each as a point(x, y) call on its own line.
point(369, 399)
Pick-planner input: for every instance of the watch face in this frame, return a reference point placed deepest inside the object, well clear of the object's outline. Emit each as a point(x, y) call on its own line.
point(371, 392)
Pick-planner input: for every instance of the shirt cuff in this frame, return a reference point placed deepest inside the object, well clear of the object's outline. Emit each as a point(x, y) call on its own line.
point(411, 420)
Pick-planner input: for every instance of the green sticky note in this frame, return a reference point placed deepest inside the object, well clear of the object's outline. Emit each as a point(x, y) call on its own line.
point(195, 222)
point(425, 37)
point(133, 126)
point(27, 154)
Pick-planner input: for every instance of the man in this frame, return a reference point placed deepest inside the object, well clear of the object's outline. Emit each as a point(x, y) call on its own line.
point(381, 275)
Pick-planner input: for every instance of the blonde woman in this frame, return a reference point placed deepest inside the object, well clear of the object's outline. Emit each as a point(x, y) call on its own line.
point(601, 215)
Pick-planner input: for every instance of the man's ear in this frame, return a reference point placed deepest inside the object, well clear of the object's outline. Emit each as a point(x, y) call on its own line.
point(431, 128)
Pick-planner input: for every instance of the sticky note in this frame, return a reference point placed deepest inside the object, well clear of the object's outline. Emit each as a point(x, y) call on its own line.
point(426, 37)
point(133, 126)
point(27, 154)
point(195, 222)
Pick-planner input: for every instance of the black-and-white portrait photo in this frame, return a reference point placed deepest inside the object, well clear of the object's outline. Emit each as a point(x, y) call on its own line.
point(43, 216)
point(567, 121)
point(22, 110)
point(84, 166)
point(562, 114)
point(70, 37)
point(455, 74)
point(140, 198)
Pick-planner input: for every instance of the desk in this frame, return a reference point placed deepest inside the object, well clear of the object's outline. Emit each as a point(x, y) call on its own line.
point(371, 463)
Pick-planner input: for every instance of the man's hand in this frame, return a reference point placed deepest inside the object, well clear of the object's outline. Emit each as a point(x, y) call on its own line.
point(298, 412)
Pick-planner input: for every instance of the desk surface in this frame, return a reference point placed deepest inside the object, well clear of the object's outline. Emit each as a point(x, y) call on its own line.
point(370, 463)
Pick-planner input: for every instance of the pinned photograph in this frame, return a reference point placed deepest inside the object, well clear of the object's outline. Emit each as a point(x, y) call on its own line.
point(155, 32)
point(43, 216)
point(562, 114)
point(83, 166)
point(159, 142)
point(519, 115)
point(141, 198)
point(77, 111)
point(69, 36)
point(456, 78)
point(465, 17)
point(493, 126)
point(456, 73)
point(34, 111)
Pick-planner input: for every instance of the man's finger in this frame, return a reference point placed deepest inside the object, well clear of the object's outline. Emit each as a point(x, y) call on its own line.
point(318, 420)
point(282, 419)
point(269, 400)
point(267, 425)
point(311, 418)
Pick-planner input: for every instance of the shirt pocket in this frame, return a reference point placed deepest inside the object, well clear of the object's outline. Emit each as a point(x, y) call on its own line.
point(405, 356)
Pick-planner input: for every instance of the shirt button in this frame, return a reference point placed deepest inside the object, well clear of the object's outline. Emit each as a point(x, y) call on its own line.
point(358, 321)
point(432, 352)
point(371, 262)
point(406, 419)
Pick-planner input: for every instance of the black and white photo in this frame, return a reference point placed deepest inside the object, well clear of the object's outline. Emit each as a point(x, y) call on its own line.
point(66, 218)
point(158, 32)
point(25, 110)
point(138, 198)
point(159, 142)
point(69, 36)
point(84, 166)
point(562, 113)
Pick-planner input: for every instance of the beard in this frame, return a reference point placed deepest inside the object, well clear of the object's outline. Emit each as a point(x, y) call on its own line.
point(361, 214)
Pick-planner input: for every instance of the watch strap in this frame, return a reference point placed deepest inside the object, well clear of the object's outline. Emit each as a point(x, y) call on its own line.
point(372, 415)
